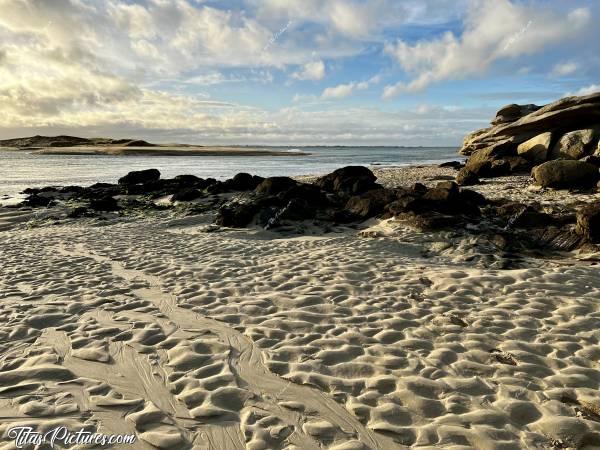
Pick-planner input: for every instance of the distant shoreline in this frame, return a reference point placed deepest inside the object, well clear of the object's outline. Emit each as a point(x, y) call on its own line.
point(157, 150)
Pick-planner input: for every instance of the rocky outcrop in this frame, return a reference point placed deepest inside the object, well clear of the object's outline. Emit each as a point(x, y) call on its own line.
point(279, 202)
point(524, 136)
point(567, 114)
point(566, 174)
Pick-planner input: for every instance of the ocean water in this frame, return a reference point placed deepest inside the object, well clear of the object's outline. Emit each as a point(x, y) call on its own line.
point(23, 169)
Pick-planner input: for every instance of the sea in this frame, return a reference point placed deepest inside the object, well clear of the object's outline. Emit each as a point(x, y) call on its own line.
point(20, 169)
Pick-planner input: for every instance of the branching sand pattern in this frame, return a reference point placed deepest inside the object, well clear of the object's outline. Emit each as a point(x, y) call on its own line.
point(238, 340)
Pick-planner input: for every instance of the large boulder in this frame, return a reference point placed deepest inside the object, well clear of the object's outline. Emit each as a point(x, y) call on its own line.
point(350, 180)
point(575, 145)
point(588, 223)
point(565, 174)
point(536, 149)
point(140, 177)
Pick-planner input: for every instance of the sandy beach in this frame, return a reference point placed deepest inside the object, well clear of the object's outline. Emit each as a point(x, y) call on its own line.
point(189, 335)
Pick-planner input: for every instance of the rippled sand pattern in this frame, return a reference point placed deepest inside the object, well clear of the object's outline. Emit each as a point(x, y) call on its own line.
point(236, 340)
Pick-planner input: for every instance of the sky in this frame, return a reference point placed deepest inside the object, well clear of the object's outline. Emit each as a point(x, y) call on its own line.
point(287, 72)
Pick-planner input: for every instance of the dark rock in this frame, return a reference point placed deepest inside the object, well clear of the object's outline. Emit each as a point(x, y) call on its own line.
point(295, 210)
point(310, 193)
point(528, 217)
point(275, 185)
point(406, 201)
point(442, 178)
point(188, 180)
point(76, 190)
point(588, 223)
point(592, 159)
point(518, 164)
point(217, 187)
point(566, 174)
point(350, 180)
point(466, 177)
point(237, 215)
point(36, 201)
point(36, 191)
point(429, 221)
point(371, 203)
point(472, 197)
point(140, 177)
point(554, 238)
point(443, 192)
point(186, 195)
point(419, 188)
point(243, 182)
point(508, 209)
point(144, 188)
point(104, 204)
point(76, 213)
point(446, 198)
point(453, 164)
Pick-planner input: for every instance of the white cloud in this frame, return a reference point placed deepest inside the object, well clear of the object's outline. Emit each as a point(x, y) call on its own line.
point(494, 30)
point(564, 69)
point(213, 78)
point(135, 18)
point(339, 91)
point(311, 71)
point(587, 90)
point(344, 90)
point(359, 19)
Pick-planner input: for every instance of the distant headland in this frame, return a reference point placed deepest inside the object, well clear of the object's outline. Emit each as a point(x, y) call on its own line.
point(73, 145)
